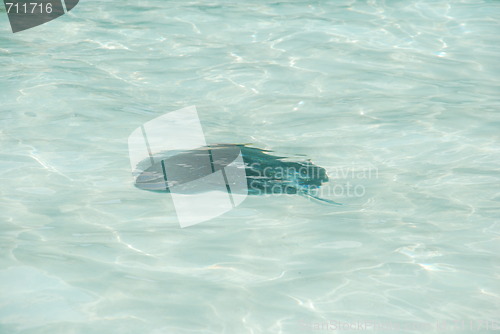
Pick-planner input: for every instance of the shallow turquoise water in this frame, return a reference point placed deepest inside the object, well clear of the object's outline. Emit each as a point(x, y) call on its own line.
point(399, 99)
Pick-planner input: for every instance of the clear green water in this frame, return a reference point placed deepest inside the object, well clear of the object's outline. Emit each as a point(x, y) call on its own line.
point(406, 89)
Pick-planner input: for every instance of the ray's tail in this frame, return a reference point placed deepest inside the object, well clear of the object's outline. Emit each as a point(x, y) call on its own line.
point(323, 200)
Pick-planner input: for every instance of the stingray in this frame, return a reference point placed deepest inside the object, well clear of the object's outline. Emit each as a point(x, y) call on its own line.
point(264, 173)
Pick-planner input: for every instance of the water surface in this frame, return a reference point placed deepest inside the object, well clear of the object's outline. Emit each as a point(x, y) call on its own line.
point(398, 99)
